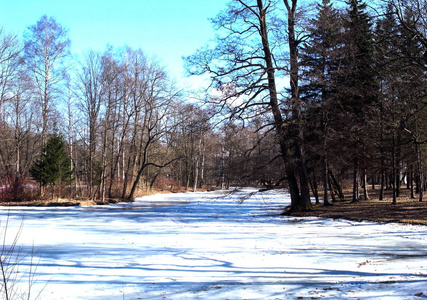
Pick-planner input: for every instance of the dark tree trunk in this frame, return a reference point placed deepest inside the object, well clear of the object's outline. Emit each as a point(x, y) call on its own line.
point(420, 174)
point(394, 171)
point(337, 185)
point(365, 185)
point(331, 189)
point(314, 189)
point(325, 181)
point(355, 182)
point(381, 196)
point(296, 129)
point(298, 201)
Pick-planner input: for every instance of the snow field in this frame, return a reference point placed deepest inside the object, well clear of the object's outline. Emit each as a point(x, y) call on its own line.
point(217, 245)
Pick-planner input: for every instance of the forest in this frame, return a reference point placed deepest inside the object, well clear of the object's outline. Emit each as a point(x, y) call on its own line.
point(312, 97)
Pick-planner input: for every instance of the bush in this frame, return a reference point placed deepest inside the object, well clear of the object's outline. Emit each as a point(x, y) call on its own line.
point(16, 188)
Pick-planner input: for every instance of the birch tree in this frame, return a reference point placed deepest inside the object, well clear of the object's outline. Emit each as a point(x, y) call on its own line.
point(46, 48)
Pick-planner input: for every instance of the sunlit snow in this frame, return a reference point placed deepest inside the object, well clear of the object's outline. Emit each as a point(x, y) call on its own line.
point(216, 245)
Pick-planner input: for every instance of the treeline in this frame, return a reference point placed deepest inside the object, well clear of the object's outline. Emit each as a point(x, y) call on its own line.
point(355, 106)
point(124, 124)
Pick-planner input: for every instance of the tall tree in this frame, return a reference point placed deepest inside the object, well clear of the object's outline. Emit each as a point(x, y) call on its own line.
point(243, 67)
point(90, 89)
point(10, 51)
point(295, 131)
point(320, 60)
point(358, 88)
point(400, 53)
point(412, 22)
point(153, 96)
point(46, 48)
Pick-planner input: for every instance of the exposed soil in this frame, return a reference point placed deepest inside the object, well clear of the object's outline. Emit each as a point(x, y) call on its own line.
point(407, 210)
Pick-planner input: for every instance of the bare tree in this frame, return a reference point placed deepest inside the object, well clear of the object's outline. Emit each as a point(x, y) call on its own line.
point(411, 14)
point(157, 95)
point(10, 51)
point(90, 89)
point(243, 67)
point(46, 48)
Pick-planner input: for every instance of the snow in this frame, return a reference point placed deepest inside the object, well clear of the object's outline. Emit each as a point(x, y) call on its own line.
point(216, 245)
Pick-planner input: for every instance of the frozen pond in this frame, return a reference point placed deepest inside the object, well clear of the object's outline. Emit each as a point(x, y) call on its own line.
point(217, 245)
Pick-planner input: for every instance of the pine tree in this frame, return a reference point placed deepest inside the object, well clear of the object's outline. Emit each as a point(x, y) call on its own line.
point(357, 89)
point(53, 166)
point(319, 62)
point(358, 74)
point(319, 54)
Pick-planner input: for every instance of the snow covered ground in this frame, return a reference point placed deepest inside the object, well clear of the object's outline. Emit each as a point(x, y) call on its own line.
point(217, 245)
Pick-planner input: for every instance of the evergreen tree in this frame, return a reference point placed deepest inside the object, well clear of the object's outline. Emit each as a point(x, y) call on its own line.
point(319, 54)
point(357, 78)
point(53, 166)
point(357, 90)
point(319, 62)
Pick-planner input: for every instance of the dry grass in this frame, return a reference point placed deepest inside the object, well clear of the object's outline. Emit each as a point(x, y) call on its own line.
point(84, 201)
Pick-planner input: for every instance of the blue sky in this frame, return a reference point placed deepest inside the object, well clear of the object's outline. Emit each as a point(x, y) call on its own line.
point(168, 29)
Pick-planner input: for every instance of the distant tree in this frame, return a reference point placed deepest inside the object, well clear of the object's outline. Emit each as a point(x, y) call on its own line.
point(188, 139)
point(89, 87)
point(400, 52)
point(389, 65)
point(413, 87)
point(54, 165)
point(152, 96)
point(411, 15)
point(46, 47)
point(10, 51)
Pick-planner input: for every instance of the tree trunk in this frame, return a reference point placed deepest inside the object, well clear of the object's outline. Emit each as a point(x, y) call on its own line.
point(398, 162)
point(365, 185)
point(394, 173)
point(411, 182)
point(331, 189)
point(381, 197)
point(355, 182)
point(314, 189)
point(297, 134)
point(298, 202)
point(337, 185)
point(325, 182)
point(420, 172)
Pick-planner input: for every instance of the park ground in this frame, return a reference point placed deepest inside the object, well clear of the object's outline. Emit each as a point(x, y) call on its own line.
point(406, 210)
